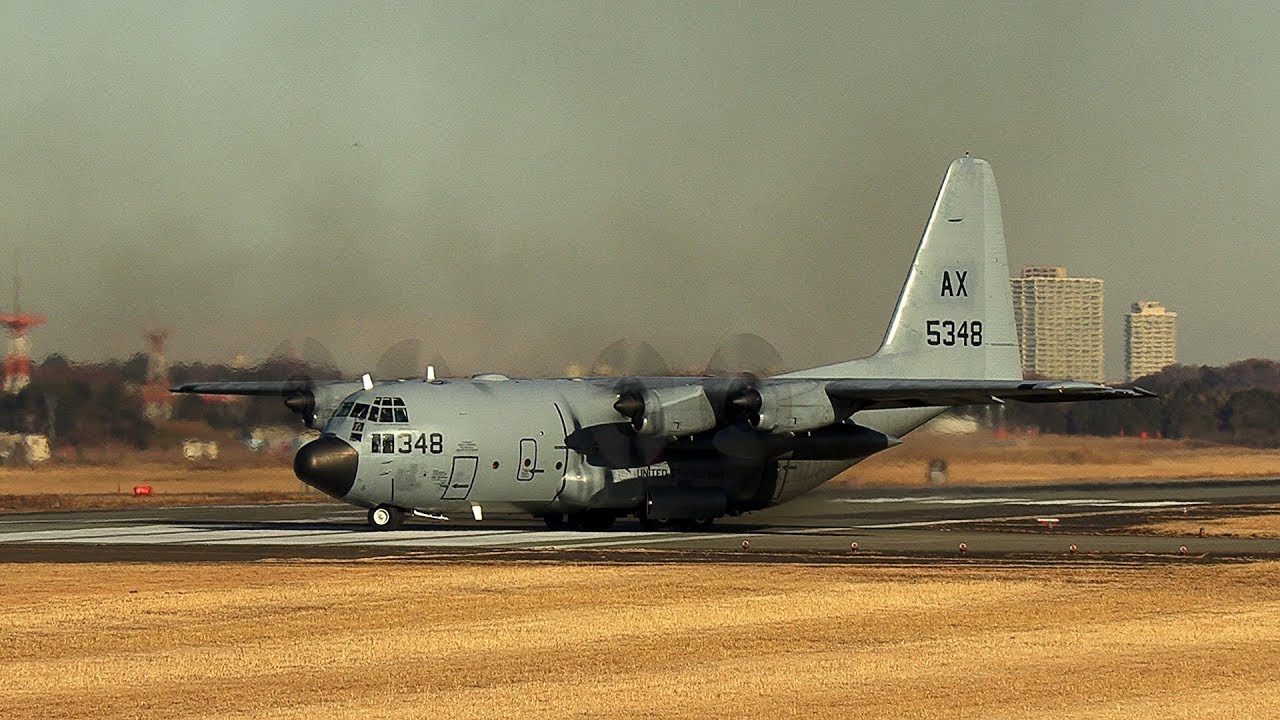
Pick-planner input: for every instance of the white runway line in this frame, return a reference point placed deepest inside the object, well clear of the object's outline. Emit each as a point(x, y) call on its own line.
point(95, 521)
point(669, 537)
point(530, 538)
point(355, 535)
point(359, 536)
point(95, 534)
point(1063, 502)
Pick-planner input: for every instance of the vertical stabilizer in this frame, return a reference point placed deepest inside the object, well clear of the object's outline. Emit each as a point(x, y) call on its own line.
point(954, 318)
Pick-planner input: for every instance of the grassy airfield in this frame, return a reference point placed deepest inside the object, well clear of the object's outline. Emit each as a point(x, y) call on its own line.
point(396, 639)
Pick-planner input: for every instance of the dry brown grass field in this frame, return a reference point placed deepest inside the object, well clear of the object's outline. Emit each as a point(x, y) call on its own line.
point(977, 459)
point(1252, 526)
point(391, 639)
point(983, 459)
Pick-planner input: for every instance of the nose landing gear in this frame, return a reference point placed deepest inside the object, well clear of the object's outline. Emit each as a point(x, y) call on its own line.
point(386, 517)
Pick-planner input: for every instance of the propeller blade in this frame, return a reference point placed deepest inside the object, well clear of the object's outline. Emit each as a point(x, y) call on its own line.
point(318, 359)
point(625, 357)
point(401, 360)
point(745, 353)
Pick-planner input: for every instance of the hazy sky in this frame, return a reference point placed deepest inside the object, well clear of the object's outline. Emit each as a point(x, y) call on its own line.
point(520, 183)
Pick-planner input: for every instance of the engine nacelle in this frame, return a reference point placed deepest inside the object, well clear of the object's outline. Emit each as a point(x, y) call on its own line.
point(792, 407)
point(668, 412)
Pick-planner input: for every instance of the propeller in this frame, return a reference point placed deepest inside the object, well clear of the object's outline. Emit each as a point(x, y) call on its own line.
point(300, 397)
point(745, 353)
point(625, 356)
point(401, 360)
point(318, 359)
point(630, 403)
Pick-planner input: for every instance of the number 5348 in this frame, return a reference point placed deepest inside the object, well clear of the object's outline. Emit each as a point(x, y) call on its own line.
point(950, 333)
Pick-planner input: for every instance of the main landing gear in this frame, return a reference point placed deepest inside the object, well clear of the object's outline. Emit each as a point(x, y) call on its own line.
point(386, 517)
point(591, 520)
point(682, 525)
point(701, 523)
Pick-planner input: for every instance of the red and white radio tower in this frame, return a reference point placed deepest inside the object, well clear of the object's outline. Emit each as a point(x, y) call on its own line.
point(17, 364)
point(157, 403)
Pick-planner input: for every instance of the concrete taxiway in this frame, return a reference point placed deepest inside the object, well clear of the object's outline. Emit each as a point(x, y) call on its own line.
point(1029, 523)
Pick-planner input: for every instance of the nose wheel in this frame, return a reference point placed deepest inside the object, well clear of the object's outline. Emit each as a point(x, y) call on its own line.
point(386, 517)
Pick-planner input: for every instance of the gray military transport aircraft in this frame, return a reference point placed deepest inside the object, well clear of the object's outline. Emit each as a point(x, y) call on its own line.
point(681, 451)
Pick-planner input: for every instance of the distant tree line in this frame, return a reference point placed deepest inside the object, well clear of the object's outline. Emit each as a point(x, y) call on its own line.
point(1238, 404)
point(93, 404)
point(90, 404)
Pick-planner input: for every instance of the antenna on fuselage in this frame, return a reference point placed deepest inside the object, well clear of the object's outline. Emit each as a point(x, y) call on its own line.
point(431, 373)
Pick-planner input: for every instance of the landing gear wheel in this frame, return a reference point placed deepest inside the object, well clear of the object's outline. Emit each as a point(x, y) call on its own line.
point(703, 524)
point(592, 520)
point(648, 522)
point(554, 521)
point(386, 517)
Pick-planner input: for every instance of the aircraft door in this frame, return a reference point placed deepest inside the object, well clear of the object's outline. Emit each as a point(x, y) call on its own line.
point(534, 449)
point(461, 478)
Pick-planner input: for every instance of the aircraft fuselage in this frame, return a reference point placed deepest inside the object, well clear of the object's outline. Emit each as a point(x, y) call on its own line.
point(445, 446)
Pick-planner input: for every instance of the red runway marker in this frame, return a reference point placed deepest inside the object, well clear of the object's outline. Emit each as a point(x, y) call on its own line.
point(853, 546)
point(1072, 548)
point(746, 545)
point(963, 548)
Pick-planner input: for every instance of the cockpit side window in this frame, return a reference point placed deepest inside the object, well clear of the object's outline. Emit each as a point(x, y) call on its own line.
point(360, 411)
point(402, 415)
point(345, 410)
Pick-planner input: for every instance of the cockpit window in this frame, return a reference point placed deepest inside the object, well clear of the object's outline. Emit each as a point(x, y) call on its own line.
point(384, 409)
point(345, 410)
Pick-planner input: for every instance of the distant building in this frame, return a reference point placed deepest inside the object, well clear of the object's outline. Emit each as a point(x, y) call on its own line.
point(1150, 339)
point(1059, 322)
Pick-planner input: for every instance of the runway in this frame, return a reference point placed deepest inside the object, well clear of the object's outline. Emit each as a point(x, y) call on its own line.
point(1027, 523)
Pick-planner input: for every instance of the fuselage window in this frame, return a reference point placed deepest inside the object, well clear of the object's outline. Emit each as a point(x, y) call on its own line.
point(402, 415)
point(360, 411)
point(345, 410)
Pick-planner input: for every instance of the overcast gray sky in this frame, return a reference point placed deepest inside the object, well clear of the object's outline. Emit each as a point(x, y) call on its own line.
point(518, 184)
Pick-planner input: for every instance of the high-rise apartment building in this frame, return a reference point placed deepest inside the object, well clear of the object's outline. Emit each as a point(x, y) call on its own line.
point(1150, 339)
point(1059, 322)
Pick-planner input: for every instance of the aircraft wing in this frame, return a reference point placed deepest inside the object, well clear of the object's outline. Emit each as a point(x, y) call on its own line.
point(875, 393)
point(314, 401)
point(273, 388)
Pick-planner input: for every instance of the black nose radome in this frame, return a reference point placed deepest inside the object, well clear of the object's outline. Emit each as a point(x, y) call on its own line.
point(328, 465)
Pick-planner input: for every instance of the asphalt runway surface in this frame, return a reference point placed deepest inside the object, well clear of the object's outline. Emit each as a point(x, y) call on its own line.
point(1030, 524)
